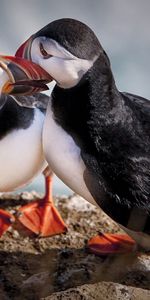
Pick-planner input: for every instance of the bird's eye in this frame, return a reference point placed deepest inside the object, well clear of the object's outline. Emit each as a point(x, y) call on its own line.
point(44, 52)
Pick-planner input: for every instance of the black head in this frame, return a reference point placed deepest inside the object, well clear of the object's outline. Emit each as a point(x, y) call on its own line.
point(74, 36)
point(66, 49)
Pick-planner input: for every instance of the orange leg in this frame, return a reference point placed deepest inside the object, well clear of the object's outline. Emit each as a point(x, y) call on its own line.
point(41, 217)
point(107, 243)
point(6, 220)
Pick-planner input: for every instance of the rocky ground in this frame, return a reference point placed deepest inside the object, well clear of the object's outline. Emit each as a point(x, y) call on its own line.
point(61, 267)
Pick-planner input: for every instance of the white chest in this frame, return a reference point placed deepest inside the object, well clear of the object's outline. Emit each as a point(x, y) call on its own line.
point(21, 155)
point(63, 156)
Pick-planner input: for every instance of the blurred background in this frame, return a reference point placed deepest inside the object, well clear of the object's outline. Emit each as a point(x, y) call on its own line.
point(122, 27)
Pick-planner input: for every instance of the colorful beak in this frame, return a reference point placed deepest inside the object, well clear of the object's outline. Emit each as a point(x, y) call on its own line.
point(24, 51)
point(25, 77)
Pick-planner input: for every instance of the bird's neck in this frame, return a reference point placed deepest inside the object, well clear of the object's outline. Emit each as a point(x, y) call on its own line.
point(103, 93)
point(96, 93)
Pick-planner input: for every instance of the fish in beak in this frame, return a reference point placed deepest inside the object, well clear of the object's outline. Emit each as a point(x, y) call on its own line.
point(24, 76)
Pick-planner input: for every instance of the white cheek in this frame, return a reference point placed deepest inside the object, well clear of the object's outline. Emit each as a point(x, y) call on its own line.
point(66, 72)
point(65, 68)
point(35, 51)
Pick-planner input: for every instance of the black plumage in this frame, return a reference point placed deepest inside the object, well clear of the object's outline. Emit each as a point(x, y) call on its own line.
point(111, 128)
point(73, 35)
point(113, 132)
point(14, 116)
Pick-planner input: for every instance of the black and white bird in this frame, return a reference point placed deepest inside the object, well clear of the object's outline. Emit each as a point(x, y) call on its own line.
point(22, 159)
point(95, 138)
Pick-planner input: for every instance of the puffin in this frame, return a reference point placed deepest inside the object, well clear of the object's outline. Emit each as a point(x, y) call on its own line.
point(96, 139)
point(22, 159)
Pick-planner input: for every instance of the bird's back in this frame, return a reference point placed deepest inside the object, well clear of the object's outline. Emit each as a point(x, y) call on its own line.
point(122, 161)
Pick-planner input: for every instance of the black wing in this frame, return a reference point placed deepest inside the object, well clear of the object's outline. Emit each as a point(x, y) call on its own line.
point(141, 103)
point(121, 164)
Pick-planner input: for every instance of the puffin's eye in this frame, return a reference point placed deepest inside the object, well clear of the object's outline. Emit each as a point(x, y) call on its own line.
point(44, 52)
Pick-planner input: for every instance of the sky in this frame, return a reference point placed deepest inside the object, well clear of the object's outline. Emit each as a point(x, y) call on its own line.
point(122, 26)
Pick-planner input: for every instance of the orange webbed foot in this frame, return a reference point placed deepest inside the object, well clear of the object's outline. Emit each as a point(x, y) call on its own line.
point(41, 216)
point(107, 243)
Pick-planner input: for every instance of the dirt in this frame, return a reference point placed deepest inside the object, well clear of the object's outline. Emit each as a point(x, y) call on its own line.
point(37, 268)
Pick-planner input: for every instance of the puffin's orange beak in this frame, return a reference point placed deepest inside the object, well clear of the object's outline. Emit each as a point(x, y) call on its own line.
point(25, 77)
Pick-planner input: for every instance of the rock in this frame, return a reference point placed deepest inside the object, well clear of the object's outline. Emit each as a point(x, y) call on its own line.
point(33, 268)
point(78, 203)
point(101, 291)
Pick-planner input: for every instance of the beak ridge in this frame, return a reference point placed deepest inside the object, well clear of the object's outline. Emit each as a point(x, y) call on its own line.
point(24, 50)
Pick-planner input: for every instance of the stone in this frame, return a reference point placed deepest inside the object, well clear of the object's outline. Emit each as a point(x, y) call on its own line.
point(101, 291)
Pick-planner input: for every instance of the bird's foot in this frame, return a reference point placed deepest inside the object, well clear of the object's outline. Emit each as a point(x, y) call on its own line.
point(6, 220)
point(104, 244)
point(42, 218)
